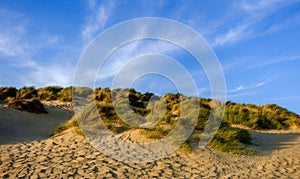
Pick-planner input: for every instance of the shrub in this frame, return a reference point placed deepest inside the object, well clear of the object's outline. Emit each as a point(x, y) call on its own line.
point(26, 93)
point(65, 94)
point(49, 93)
point(30, 105)
point(102, 94)
point(6, 92)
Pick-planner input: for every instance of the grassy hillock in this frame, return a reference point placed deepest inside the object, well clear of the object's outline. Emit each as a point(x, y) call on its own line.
point(269, 116)
point(227, 139)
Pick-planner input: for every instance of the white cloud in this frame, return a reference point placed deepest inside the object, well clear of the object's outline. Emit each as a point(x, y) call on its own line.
point(230, 36)
point(11, 44)
point(97, 19)
point(41, 75)
point(14, 43)
point(18, 52)
point(8, 46)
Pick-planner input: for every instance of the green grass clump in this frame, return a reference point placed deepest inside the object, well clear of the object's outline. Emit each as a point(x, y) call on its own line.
point(49, 93)
point(30, 105)
point(185, 147)
point(256, 117)
point(232, 140)
point(6, 92)
point(152, 134)
point(67, 125)
point(26, 93)
point(65, 95)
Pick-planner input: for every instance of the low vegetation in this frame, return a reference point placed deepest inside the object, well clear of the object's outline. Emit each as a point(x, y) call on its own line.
point(269, 116)
point(6, 92)
point(32, 105)
point(227, 139)
point(232, 140)
point(29, 99)
point(72, 123)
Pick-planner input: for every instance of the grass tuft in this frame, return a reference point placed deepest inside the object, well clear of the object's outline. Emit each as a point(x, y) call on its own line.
point(232, 140)
point(30, 105)
point(67, 125)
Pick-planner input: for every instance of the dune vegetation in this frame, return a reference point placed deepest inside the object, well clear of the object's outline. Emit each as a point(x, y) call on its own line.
point(269, 116)
point(29, 99)
point(228, 138)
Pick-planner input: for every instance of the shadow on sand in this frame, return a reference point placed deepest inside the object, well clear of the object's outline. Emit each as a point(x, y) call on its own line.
point(19, 126)
point(266, 143)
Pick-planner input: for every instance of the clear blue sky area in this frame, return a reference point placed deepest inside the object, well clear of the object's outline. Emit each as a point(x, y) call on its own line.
point(257, 43)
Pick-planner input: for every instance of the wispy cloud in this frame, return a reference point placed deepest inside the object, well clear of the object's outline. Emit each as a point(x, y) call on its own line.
point(284, 98)
point(234, 33)
point(19, 51)
point(276, 61)
point(41, 75)
point(242, 87)
point(252, 14)
point(14, 41)
point(11, 43)
point(259, 5)
point(124, 54)
point(96, 21)
point(233, 64)
point(230, 36)
point(10, 47)
point(232, 96)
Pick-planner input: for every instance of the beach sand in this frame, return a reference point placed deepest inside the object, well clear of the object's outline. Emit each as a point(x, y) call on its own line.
point(69, 155)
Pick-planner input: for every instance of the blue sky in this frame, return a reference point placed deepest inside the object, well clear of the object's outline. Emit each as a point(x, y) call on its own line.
point(257, 43)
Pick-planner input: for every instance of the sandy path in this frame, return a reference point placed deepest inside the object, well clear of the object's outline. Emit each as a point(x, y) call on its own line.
point(70, 155)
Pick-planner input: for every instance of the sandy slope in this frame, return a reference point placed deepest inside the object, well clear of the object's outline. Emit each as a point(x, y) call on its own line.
point(20, 126)
point(71, 156)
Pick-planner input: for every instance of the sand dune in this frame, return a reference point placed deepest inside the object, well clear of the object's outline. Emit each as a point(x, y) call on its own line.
point(69, 155)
